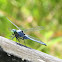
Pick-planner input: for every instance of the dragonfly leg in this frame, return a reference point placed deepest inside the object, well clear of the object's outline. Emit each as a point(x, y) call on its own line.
point(18, 39)
point(24, 42)
point(12, 37)
point(21, 38)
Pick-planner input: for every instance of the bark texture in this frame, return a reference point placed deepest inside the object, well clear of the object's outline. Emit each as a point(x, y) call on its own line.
point(20, 53)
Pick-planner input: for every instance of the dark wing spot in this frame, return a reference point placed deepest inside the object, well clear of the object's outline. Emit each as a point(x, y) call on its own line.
point(22, 31)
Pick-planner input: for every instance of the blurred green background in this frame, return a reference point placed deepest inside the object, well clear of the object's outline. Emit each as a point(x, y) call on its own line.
point(31, 13)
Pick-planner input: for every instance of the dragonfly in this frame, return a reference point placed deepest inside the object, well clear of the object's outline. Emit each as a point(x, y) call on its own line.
point(19, 34)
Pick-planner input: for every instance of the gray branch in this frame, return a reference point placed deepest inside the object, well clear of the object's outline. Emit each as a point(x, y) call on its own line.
point(24, 52)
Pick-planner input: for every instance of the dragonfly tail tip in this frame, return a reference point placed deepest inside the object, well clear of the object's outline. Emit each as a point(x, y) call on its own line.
point(45, 44)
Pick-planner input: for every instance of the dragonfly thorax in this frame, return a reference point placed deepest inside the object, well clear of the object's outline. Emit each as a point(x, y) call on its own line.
point(21, 33)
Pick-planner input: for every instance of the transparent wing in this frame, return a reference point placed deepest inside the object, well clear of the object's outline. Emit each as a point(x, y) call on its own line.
point(13, 23)
point(34, 39)
point(34, 29)
point(30, 29)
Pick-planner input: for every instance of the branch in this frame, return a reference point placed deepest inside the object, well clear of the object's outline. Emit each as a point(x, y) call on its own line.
point(24, 52)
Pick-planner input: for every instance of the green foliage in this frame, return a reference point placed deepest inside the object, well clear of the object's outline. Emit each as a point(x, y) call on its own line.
point(32, 13)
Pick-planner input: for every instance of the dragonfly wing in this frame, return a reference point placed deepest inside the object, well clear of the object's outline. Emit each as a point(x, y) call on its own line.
point(33, 39)
point(34, 29)
point(13, 23)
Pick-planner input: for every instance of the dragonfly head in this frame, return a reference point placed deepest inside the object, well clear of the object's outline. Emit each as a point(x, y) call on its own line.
point(13, 30)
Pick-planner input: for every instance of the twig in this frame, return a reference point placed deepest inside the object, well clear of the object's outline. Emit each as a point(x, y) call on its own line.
point(24, 52)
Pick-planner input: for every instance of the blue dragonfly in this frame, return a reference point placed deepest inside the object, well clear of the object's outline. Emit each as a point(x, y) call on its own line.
point(19, 34)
